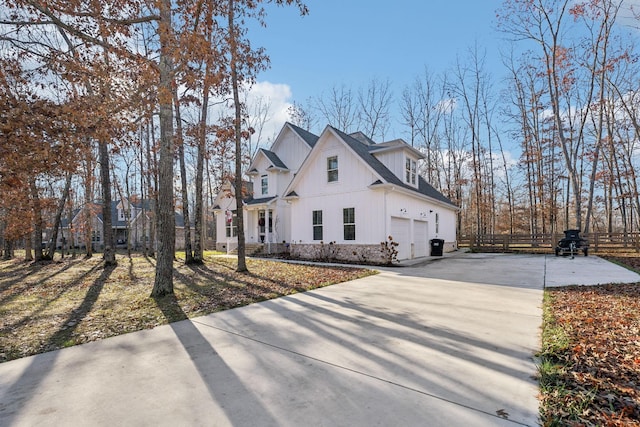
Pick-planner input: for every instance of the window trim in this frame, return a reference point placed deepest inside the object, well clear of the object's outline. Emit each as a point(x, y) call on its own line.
point(264, 184)
point(411, 171)
point(349, 228)
point(332, 171)
point(231, 227)
point(316, 223)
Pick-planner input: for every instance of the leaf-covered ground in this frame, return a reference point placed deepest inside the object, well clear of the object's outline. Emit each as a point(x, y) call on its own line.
point(591, 355)
point(46, 306)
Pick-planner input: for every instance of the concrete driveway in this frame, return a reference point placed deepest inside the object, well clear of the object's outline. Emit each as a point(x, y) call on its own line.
point(443, 343)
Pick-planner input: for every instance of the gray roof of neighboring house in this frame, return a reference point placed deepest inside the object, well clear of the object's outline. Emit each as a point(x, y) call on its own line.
point(308, 137)
point(114, 215)
point(364, 151)
point(116, 223)
point(274, 159)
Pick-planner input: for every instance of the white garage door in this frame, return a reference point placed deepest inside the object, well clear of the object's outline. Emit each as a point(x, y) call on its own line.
point(400, 234)
point(420, 239)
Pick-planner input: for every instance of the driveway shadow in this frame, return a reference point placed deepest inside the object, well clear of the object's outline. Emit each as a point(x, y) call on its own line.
point(18, 394)
point(223, 385)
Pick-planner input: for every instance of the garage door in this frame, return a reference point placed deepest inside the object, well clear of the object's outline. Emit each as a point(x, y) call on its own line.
point(400, 234)
point(420, 238)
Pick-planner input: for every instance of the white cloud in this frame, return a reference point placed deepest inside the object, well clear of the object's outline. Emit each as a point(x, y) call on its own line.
point(276, 98)
point(447, 105)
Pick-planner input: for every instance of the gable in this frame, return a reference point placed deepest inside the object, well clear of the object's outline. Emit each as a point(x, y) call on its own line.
point(359, 169)
point(292, 146)
point(352, 175)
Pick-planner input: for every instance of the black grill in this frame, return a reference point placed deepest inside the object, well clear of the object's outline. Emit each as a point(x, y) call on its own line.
point(572, 243)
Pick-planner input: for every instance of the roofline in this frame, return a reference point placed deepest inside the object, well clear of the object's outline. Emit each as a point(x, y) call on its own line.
point(333, 131)
point(379, 148)
point(415, 193)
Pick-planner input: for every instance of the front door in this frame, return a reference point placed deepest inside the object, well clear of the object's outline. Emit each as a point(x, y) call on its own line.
point(265, 226)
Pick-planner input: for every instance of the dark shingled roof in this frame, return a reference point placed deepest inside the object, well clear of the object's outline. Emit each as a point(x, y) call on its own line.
point(274, 159)
point(362, 138)
point(308, 137)
point(364, 152)
point(252, 201)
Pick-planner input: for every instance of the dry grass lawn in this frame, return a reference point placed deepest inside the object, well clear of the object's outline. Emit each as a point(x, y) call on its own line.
point(46, 306)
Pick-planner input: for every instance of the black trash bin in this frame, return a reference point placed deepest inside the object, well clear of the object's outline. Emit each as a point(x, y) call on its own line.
point(436, 247)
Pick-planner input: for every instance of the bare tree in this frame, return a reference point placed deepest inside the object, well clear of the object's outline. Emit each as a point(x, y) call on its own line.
point(374, 104)
point(338, 108)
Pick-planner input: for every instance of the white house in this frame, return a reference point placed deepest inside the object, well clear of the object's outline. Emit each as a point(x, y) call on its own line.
point(339, 196)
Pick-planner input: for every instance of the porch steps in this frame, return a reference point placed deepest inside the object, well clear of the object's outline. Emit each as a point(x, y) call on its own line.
point(250, 249)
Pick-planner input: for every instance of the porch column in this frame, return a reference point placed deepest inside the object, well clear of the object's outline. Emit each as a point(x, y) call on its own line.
point(268, 225)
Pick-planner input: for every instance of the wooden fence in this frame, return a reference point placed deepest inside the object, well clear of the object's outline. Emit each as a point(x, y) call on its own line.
point(546, 242)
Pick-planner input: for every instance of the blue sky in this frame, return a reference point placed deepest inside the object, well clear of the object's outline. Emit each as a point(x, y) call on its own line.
point(354, 41)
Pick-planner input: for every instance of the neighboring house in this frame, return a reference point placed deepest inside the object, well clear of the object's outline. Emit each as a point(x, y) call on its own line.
point(338, 196)
point(129, 220)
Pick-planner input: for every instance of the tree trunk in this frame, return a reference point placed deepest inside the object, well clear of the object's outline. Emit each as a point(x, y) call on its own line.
point(27, 247)
point(109, 254)
point(37, 217)
point(72, 243)
point(88, 206)
point(152, 190)
point(242, 263)
point(202, 144)
point(188, 253)
point(8, 249)
point(163, 284)
point(58, 218)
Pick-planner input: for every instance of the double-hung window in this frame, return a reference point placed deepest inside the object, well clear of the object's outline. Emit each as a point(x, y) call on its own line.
point(317, 225)
point(411, 171)
point(264, 184)
point(332, 169)
point(349, 223)
point(232, 224)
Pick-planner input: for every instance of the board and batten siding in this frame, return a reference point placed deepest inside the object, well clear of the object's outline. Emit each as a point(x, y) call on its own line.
point(292, 150)
point(349, 191)
point(368, 214)
point(395, 161)
point(261, 165)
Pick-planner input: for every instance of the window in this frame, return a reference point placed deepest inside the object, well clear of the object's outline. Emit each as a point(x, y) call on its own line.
point(349, 221)
point(411, 171)
point(265, 184)
point(437, 223)
point(317, 225)
point(232, 224)
point(332, 169)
